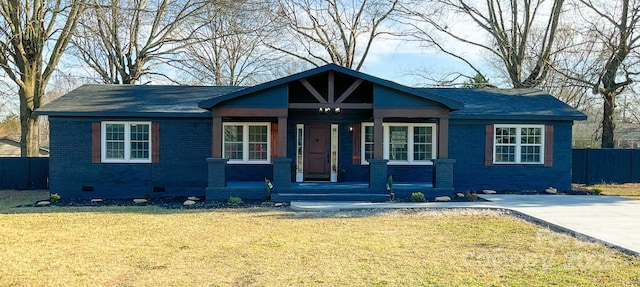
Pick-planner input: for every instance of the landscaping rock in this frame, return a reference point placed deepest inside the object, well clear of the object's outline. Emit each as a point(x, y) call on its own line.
point(459, 194)
point(188, 203)
point(43, 203)
point(96, 200)
point(489, 191)
point(443, 198)
point(140, 200)
point(278, 204)
point(193, 198)
point(551, 190)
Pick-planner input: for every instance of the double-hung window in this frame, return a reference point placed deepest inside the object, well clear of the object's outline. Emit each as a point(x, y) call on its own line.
point(403, 143)
point(515, 144)
point(367, 142)
point(126, 142)
point(246, 142)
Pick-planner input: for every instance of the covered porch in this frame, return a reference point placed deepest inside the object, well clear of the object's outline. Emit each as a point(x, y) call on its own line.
point(329, 133)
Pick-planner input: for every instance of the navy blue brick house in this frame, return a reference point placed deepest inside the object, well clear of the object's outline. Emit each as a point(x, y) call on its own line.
point(330, 129)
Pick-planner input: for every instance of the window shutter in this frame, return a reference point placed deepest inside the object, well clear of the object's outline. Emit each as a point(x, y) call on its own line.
point(548, 145)
point(95, 142)
point(488, 146)
point(155, 142)
point(357, 147)
point(274, 140)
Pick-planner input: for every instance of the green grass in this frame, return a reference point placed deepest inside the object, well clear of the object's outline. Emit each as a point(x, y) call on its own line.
point(150, 246)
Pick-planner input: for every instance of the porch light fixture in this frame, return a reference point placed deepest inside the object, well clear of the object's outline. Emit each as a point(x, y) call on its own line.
point(336, 110)
point(324, 110)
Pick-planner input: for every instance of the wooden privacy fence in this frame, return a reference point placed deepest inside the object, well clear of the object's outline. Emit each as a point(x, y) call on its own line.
point(24, 172)
point(592, 166)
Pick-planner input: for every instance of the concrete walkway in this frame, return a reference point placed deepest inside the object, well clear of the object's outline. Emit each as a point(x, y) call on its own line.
point(611, 220)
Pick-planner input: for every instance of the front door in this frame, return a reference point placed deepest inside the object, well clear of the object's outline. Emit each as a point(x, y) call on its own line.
point(317, 150)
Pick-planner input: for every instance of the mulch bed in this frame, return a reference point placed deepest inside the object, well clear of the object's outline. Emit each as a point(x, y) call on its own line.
point(165, 202)
point(178, 202)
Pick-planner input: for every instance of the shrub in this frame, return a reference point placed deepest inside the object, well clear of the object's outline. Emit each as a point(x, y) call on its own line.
point(596, 191)
point(417, 196)
point(471, 196)
point(234, 200)
point(54, 197)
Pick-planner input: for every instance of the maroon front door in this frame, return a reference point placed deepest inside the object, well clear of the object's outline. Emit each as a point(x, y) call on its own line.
point(317, 163)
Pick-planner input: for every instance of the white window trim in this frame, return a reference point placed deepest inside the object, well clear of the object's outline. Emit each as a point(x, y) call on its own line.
point(518, 144)
point(127, 143)
point(245, 142)
point(299, 152)
point(410, 143)
point(363, 159)
point(334, 153)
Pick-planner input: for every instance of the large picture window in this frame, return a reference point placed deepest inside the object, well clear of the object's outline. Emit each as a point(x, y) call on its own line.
point(404, 143)
point(126, 142)
point(247, 142)
point(515, 144)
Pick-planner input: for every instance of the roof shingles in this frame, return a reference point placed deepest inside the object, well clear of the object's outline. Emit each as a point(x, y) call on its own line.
point(134, 101)
point(508, 104)
point(192, 101)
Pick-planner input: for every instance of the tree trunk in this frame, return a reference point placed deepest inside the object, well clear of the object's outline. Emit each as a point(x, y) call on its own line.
point(608, 125)
point(29, 127)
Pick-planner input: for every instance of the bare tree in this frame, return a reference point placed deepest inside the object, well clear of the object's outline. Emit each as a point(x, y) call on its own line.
point(604, 55)
point(8, 102)
point(521, 33)
point(331, 31)
point(123, 40)
point(33, 36)
point(233, 50)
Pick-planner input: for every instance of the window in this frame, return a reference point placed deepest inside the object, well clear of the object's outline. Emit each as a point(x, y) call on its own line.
point(518, 144)
point(246, 142)
point(398, 142)
point(422, 143)
point(404, 143)
point(126, 142)
point(367, 140)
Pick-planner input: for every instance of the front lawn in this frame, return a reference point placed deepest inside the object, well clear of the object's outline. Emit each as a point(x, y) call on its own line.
point(151, 246)
point(631, 190)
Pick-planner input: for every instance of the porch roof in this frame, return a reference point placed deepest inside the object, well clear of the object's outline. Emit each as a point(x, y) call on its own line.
point(452, 104)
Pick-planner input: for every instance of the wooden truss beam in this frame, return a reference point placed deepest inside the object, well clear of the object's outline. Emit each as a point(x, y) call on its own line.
point(313, 91)
point(349, 91)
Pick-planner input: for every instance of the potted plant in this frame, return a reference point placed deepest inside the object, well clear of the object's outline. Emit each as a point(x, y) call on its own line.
point(268, 187)
point(390, 187)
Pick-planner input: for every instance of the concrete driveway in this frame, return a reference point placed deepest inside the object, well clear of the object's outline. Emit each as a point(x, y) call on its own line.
point(611, 220)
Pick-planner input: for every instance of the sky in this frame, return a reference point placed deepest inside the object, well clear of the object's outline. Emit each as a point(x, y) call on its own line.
point(398, 60)
point(402, 67)
point(389, 59)
point(395, 61)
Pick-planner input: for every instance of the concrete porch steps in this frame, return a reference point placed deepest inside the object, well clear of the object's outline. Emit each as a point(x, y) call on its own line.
point(328, 196)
